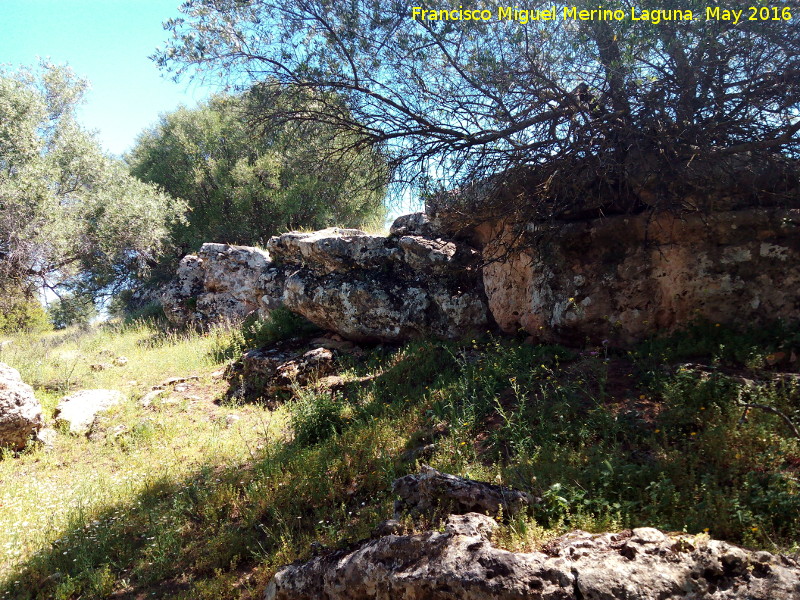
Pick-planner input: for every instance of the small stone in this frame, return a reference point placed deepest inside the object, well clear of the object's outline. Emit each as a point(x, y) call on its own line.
point(231, 420)
point(148, 398)
point(117, 431)
point(181, 387)
point(647, 535)
point(120, 361)
point(100, 366)
point(47, 436)
point(430, 491)
point(471, 524)
point(388, 527)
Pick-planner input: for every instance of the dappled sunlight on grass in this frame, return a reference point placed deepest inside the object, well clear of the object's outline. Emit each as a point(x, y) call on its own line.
point(188, 498)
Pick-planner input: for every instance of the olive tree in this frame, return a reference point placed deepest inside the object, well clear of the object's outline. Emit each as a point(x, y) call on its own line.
point(70, 216)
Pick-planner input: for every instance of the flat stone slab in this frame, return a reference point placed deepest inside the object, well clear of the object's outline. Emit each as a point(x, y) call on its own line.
point(80, 409)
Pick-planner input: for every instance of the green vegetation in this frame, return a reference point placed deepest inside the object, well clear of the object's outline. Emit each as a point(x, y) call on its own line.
point(179, 499)
point(21, 313)
point(70, 217)
point(575, 116)
point(244, 182)
point(71, 310)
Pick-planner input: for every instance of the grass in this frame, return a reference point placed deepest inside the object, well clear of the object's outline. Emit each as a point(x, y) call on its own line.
point(187, 502)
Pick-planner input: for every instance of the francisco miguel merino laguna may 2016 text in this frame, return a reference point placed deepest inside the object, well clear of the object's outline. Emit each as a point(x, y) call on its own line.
point(572, 13)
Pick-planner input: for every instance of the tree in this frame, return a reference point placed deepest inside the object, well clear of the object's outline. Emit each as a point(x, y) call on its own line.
point(244, 184)
point(71, 310)
point(624, 110)
point(70, 217)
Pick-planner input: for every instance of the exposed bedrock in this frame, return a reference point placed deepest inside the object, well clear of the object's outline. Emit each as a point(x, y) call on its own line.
point(461, 563)
point(370, 288)
point(618, 279)
point(622, 278)
point(364, 287)
point(222, 282)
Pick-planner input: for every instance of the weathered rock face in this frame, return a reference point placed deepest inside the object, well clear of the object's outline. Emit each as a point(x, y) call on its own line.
point(260, 374)
point(373, 288)
point(462, 564)
point(616, 279)
point(430, 491)
point(622, 278)
point(222, 282)
point(20, 411)
point(364, 287)
point(79, 410)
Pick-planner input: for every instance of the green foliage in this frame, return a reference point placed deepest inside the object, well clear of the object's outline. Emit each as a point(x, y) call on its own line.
point(244, 184)
point(606, 441)
point(316, 417)
point(69, 216)
point(281, 324)
point(752, 347)
point(71, 309)
point(18, 313)
point(634, 113)
point(255, 332)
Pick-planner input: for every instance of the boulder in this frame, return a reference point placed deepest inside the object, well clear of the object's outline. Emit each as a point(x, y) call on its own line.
point(261, 374)
point(20, 411)
point(179, 298)
point(222, 282)
point(372, 288)
point(79, 410)
point(363, 287)
point(332, 250)
point(417, 223)
point(462, 564)
point(431, 491)
point(622, 278)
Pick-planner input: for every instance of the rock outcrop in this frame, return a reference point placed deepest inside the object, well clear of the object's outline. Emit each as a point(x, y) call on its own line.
point(622, 278)
point(431, 491)
point(20, 411)
point(262, 373)
point(364, 287)
point(461, 563)
point(375, 288)
point(78, 411)
point(616, 279)
point(222, 282)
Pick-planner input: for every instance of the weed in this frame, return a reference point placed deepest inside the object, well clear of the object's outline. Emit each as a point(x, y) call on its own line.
point(181, 504)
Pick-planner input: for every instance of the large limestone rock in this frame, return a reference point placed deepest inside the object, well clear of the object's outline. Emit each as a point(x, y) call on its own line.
point(462, 564)
point(364, 287)
point(373, 288)
point(79, 410)
point(20, 411)
point(622, 278)
point(617, 279)
point(222, 282)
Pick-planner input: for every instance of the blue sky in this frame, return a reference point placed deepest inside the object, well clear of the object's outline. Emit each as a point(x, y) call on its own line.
point(106, 42)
